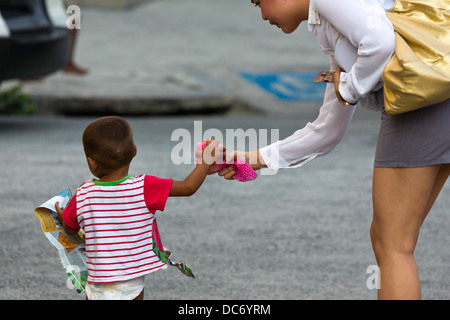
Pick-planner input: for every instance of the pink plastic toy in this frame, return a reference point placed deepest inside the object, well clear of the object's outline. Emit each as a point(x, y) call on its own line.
point(243, 170)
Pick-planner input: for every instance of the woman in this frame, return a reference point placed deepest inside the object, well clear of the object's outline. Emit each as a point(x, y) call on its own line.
point(412, 161)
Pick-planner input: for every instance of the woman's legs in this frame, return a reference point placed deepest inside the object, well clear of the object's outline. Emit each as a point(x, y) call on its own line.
point(402, 198)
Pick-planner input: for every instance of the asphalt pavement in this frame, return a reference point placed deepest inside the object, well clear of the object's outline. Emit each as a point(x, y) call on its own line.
point(299, 234)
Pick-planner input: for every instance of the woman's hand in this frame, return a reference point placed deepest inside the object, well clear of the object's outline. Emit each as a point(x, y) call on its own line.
point(253, 158)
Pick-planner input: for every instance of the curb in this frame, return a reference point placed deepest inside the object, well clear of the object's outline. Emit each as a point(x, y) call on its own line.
point(157, 105)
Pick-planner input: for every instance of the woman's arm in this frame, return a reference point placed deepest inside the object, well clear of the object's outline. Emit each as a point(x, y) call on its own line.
point(365, 25)
point(315, 139)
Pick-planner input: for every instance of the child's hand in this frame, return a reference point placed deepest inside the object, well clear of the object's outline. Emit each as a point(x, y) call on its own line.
point(67, 229)
point(213, 152)
point(59, 211)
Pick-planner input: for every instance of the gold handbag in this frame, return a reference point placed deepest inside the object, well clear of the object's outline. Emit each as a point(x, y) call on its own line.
point(418, 74)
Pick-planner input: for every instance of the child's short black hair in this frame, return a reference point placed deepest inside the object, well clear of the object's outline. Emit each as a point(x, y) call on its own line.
point(109, 141)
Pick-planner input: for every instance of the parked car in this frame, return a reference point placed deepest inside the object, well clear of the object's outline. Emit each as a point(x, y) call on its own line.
point(34, 38)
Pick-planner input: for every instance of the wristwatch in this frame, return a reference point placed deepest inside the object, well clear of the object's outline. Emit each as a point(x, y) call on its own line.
point(342, 101)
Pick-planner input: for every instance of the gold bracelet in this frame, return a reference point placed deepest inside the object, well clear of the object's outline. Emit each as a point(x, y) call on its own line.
point(342, 101)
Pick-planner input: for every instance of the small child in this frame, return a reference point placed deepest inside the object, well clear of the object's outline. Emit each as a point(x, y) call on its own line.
point(117, 211)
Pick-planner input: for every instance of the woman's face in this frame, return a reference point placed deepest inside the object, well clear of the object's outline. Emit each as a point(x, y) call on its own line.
point(285, 14)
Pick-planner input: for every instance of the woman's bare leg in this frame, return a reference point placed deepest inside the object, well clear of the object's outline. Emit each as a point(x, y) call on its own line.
point(402, 197)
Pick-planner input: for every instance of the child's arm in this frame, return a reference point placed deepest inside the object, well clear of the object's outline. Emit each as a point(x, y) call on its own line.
point(67, 229)
point(195, 179)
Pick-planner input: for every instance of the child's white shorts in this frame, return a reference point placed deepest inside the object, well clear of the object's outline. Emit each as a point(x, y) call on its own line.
point(123, 290)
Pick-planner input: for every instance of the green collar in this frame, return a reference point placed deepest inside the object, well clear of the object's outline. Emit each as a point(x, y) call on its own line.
point(110, 183)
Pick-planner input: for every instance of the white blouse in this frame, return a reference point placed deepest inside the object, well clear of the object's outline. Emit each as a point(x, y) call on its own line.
point(358, 37)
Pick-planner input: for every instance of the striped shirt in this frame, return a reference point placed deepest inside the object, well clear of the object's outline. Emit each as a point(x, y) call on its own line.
point(118, 219)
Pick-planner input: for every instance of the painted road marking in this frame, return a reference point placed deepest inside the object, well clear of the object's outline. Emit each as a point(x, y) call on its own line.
point(288, 85)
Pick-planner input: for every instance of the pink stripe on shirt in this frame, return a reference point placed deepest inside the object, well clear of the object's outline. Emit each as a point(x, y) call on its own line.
point(118, 220)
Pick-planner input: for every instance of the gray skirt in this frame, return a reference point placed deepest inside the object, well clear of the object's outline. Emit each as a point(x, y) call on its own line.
point(415, 139)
